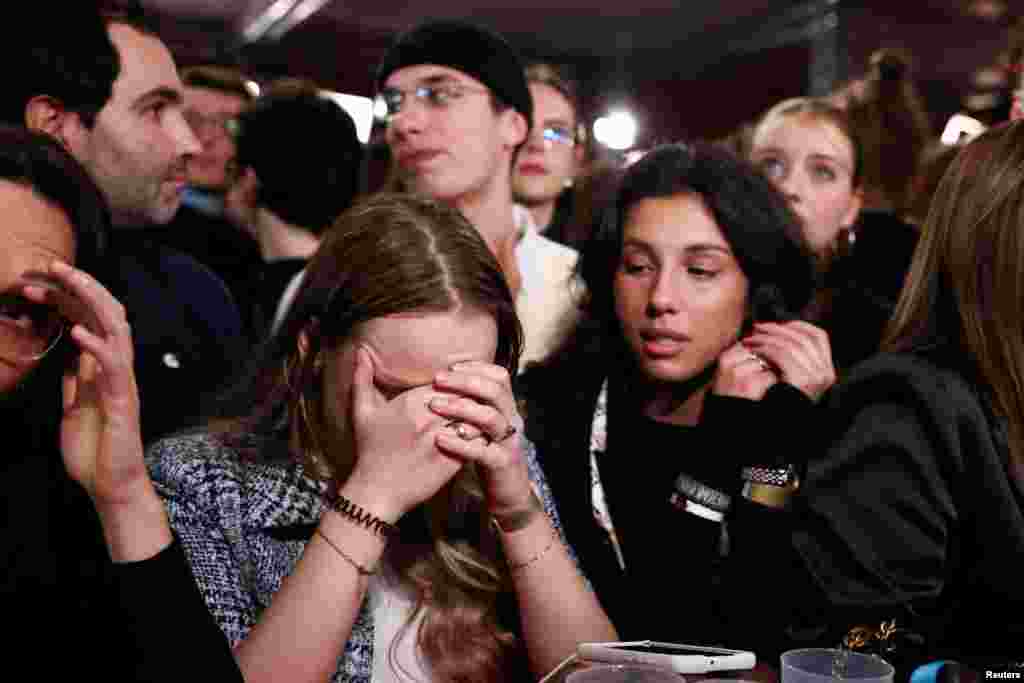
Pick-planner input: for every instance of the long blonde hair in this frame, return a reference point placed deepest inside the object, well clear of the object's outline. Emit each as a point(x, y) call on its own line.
point(966, 282)
point(393, 254)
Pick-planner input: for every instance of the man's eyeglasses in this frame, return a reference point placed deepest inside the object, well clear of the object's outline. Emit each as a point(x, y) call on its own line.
point(28, 330)
point(434, 96)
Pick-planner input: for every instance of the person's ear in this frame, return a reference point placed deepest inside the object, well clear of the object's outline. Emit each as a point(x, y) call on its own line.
point(853, 211)
point(305, 341)
point(45, 114)
point(514, 127)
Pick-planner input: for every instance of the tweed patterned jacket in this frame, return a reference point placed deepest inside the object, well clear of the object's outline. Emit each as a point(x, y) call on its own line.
point(244, 525)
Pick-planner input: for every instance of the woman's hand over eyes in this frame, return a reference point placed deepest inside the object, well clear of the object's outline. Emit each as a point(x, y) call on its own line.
point(398, 464)
point(489, 436)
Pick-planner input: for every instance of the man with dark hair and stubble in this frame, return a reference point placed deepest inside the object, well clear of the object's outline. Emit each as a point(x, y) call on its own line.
point(115, 101)
point(214, 97)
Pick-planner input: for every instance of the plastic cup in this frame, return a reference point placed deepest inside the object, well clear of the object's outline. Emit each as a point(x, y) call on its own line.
point(623, 673)
point(815, 665)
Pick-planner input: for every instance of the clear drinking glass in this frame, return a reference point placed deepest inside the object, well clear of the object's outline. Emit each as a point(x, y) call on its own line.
point(818, 665)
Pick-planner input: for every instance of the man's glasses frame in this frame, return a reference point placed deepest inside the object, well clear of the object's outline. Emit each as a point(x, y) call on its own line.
point(390, 101)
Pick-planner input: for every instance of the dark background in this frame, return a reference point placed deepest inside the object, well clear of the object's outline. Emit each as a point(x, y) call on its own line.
point(689, 68)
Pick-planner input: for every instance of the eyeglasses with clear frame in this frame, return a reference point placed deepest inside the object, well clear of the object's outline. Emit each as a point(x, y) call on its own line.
point(558, 135)
point(432, 95)
point(28, 330)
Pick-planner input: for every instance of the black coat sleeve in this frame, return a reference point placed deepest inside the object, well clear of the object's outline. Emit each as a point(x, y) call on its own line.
point(174, 636)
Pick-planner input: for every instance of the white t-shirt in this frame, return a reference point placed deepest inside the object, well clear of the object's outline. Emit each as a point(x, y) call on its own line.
point(391, 603)
point(547, 299)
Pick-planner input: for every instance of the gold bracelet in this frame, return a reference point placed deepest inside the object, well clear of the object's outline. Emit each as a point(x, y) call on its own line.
point(359, 568)
point(769, 495)
point(516, 566)
point(518, 519)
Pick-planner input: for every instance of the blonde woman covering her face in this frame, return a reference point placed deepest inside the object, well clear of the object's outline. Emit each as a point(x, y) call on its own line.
point(366, 505)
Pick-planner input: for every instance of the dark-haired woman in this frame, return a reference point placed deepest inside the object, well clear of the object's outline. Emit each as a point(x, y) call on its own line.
point(365, 508)
point(93, 582)
point(689, 372)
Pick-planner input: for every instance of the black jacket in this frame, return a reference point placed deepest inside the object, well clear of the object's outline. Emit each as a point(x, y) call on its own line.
point(78, 616)
point(907, 512)
point(186, 329)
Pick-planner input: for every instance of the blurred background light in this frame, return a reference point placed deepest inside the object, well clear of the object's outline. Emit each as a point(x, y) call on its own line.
point(616, 130)
point(961, 128)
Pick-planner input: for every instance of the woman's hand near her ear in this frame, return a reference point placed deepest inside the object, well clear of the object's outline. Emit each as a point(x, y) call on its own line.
point(741, 373)
point(799, 352)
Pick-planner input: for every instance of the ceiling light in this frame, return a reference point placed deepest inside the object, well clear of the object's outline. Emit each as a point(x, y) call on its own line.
point(279, 18)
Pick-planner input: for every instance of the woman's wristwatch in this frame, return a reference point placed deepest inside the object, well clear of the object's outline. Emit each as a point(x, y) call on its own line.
point(771, 486)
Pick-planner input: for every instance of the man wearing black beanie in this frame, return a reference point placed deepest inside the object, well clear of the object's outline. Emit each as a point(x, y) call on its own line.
point(458, 110)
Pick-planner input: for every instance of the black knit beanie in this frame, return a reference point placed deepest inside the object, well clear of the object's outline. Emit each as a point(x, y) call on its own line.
point(468, 48)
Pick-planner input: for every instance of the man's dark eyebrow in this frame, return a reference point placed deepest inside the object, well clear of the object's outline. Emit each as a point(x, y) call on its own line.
point(165, 93)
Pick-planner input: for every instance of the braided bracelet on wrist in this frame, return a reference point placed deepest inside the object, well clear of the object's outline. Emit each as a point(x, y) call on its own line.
point(355, 513)
point(773, 476)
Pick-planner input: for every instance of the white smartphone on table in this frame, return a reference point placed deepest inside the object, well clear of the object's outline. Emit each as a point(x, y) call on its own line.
point(677, 657)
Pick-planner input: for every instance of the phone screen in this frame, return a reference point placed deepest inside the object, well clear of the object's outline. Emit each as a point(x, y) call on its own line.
point(675, 650)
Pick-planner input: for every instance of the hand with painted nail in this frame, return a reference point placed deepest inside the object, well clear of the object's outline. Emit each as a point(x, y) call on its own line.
point(479, 396)
point(99, 435)
point(799, 352)
point(398, 464)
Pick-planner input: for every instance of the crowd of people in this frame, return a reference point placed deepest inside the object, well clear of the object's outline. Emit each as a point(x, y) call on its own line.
point(271, 424)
